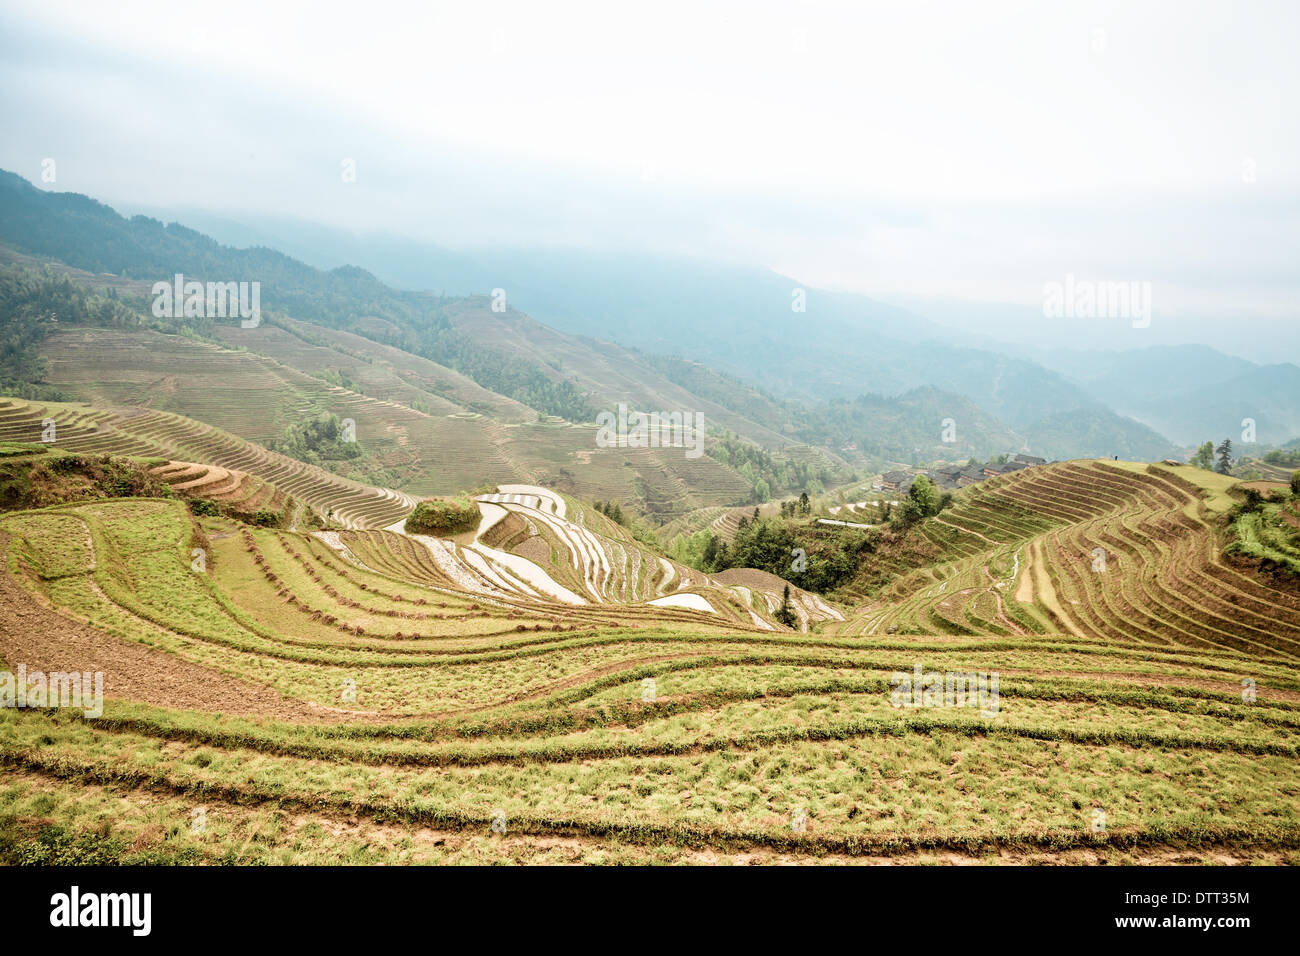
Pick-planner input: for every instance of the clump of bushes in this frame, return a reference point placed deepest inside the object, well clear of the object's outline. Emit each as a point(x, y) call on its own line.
point(318, 440)
point(55, 479)
point(443, 516)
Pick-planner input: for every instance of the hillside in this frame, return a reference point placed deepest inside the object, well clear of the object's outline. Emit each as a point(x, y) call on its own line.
point(734, 319)
point(1190, 393)
point(686, 322)
point(548, 672)
point(1119, 552)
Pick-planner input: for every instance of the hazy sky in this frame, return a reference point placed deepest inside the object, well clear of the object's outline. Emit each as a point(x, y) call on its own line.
point(972, 150)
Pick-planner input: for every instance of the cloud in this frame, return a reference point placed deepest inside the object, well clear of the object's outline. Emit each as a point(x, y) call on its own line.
point(940, 150)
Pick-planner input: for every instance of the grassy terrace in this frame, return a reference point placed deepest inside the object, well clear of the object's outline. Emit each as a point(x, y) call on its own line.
point(361, 705)
point(1126, 554)
point(84, 430)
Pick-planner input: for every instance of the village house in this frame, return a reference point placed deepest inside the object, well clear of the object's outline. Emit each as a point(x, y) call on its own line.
point(992, 471)
point(945, 477)
point(899, 481)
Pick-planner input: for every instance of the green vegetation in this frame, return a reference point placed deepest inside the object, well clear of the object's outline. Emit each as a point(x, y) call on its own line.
point(1287, 457)
point(766, 473)
point(318, 440)
point(815, 557)
point(34, 304)
point(923, 501)
point(1267, 530)
point(46, 481)
point(443, 516)
point(18, 449)
point(1223, 458)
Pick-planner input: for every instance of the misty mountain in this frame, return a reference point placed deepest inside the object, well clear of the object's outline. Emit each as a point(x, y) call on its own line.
point(1189, 392)
point(742, 321)
point(761, 367)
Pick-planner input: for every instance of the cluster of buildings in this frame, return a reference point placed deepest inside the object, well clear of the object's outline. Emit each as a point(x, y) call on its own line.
point(956, 476)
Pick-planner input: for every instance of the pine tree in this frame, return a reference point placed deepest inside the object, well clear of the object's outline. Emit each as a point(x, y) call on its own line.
point(1224, 451)
point(784, 614)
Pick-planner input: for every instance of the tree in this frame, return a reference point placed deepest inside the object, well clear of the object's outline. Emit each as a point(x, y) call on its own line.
point(784, 614)
point(804, 505)
point(1224, 451)
point(1295, 482)
point(1204, 457)
point(709, 559)
point(908, 513)
point(922, 493)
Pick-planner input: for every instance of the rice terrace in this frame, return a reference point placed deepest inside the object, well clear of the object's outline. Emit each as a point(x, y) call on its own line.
point(486, 494)
point(357, 692)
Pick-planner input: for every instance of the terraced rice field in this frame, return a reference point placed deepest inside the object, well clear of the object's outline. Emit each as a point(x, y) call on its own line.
point(368, 696)
point(85, 430)
point(1104, 551)
point(466, 437)
point(1270, 472)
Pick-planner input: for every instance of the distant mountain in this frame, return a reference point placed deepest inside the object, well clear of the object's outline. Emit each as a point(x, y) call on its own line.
point(1191, 393)
point(1024, 329)
point(741, 321)
point(1096, 433)
point(722, 341)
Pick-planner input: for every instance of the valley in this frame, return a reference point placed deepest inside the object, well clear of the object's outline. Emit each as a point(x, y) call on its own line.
point(371, 583)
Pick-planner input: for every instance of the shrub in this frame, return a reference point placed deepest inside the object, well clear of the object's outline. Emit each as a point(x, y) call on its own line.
point(443, 516)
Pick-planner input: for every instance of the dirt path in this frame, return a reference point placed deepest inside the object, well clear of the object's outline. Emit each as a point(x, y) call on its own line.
point(1047, 594)
point(1025, 586)
point(949, 524)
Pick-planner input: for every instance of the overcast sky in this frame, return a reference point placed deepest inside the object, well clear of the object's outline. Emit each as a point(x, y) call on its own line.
point(905, 150)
